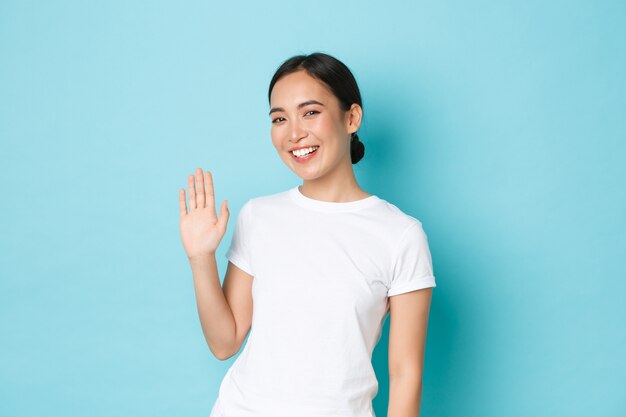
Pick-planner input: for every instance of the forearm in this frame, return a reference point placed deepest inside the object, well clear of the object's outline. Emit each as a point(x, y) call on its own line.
point(405, 396)
point(216, 317)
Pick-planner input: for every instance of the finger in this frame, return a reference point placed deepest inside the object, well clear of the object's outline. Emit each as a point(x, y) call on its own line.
point(224, 215)
point(210, 193)
point(181, 202)
point(200, 200)
point(192, 193)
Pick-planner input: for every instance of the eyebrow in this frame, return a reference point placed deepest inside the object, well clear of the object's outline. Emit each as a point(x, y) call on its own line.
point(305, 103)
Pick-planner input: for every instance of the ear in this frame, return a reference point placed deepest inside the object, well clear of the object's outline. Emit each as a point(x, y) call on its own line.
point(353, 118)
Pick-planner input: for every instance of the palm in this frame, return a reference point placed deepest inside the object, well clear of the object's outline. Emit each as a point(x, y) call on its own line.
point(201, 230)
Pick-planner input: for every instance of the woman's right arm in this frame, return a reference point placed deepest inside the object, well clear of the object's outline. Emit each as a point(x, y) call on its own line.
point(225, 314)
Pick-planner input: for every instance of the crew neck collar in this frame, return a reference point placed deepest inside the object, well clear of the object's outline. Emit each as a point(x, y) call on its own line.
point(329, 206)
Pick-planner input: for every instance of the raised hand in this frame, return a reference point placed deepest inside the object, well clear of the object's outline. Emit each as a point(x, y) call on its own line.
point(201, 231)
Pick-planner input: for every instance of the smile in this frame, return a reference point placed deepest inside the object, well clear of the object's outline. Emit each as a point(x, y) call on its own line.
point(304, 154)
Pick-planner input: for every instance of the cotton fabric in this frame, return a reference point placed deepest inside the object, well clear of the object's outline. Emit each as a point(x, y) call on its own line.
point(323, 273)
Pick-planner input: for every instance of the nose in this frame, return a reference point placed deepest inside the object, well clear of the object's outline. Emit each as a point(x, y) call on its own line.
point(297, 132)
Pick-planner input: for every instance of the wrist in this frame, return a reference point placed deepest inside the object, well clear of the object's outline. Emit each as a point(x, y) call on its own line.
point(195, 259)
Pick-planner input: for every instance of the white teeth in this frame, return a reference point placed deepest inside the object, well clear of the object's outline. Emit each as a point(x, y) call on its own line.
point(304, 151)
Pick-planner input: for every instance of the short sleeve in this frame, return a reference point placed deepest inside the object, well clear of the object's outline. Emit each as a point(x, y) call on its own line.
point(412, 267)
point(239, 250)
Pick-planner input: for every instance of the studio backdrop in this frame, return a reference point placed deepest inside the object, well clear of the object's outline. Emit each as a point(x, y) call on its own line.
point(498, 124)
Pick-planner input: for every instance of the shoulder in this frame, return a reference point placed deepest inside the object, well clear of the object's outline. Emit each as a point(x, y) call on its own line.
point(267, 201)
point(270, 199)
point(397, 219)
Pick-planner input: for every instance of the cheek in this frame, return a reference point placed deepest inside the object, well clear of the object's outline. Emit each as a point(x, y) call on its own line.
point(321, 124)
point(278, 141)
point(275, 136)
point(329, 126)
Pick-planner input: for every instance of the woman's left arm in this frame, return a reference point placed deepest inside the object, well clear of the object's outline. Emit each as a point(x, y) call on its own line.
point(407, 339)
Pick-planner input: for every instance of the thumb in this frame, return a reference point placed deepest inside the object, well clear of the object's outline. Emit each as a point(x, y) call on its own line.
point(224, 215)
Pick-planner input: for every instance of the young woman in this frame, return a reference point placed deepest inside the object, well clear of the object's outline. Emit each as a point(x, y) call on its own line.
point(312, 270)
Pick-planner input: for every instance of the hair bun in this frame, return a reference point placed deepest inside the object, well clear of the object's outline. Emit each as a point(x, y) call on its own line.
point(357, 148)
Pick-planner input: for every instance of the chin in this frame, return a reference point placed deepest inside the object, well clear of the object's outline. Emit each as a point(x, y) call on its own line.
point(306, 175)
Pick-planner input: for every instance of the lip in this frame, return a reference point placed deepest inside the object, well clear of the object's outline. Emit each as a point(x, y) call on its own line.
point(306, 158)
point(301, 147)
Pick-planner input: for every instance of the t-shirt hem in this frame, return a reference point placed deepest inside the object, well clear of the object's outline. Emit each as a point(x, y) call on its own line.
point(238, 260)
point(424, 282)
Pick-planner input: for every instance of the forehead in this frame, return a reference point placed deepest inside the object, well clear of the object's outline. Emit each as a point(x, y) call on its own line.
point(297, 87)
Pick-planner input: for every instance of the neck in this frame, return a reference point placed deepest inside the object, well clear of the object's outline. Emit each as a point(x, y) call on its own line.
point(339, 186)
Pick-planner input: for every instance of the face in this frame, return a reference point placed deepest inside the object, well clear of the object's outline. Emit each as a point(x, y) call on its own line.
point(305, 113)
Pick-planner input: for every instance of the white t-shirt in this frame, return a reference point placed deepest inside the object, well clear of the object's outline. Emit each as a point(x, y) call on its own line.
point(323, 272)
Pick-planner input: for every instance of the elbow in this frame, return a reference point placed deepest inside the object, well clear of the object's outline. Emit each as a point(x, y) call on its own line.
point(223, 355)
point(227, 350)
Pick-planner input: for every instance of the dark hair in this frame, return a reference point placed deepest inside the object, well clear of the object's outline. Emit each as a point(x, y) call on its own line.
point(337, 76)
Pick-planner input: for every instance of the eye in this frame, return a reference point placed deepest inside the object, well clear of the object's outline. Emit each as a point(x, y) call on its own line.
point(276, 120)
point(311, 111)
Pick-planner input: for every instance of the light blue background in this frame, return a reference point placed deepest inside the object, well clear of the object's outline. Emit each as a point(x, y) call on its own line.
point(500, 125)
